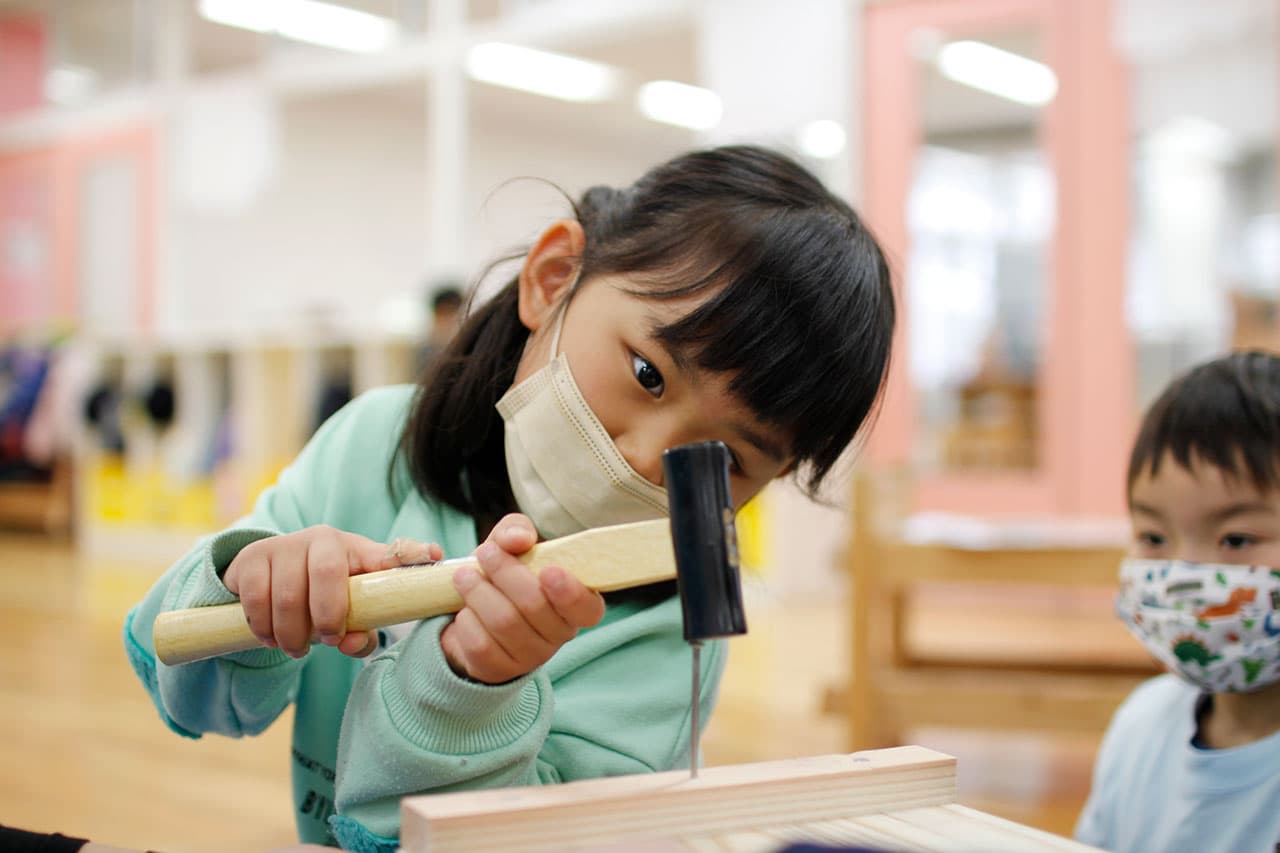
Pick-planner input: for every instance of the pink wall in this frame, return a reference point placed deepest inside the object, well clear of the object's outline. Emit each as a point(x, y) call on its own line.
point(22, 63)
point(1086, 397)
point(27, 250)
point(40, 204)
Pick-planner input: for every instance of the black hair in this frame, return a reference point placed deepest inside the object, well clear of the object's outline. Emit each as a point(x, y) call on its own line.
point(800, 309)
point(1225, 412)
point(449, 297)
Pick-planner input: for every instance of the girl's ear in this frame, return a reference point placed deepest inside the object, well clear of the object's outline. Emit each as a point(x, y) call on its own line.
point(549, 271)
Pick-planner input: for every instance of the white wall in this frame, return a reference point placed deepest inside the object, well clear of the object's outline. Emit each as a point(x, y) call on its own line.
point(338, 226)
point(341, 223)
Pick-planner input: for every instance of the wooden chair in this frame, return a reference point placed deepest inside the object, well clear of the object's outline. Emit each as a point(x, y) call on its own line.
point(1071, 683)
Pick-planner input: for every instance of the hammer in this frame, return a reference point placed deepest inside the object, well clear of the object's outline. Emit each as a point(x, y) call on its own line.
point(697, 546)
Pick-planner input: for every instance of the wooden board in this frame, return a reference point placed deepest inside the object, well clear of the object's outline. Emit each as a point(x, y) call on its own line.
point(900, 798)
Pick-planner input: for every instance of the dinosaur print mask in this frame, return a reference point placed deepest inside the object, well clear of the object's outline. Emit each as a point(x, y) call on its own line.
point(1216, 626)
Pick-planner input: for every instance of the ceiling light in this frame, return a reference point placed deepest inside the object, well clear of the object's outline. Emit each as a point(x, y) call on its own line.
point(540, 72)
point(998, 72)
point(680, 104)
point(311, 21)
point(257, 15)
point(822, 139)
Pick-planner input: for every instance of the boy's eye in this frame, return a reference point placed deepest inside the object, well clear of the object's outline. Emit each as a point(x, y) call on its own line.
point(1236, 541)
point(647, 375)
point(1151, 540)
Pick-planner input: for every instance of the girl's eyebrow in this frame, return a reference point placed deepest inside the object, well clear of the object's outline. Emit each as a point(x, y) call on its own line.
point(677, 355)
point(688, 371)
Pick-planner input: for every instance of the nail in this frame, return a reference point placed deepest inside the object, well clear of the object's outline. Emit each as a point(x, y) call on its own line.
point(331, 639)
point(520, 537)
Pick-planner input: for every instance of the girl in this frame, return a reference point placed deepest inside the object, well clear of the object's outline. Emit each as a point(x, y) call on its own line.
point(726, 295)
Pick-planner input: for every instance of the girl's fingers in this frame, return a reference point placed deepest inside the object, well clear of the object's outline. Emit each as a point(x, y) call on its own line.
point(473, 653)
point(504, 623)
point(520, 586)
point(327, 572)
point(253, 584)
point(290, 597)
point(295, 586)
point(514, 534)
point(370, 556)
point(358, 644)
point(577, 604)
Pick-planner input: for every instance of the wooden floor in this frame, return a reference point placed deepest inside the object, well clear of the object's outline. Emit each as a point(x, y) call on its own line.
point(84, 752)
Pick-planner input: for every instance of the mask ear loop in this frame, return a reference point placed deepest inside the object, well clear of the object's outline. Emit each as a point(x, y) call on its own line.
point(555, 336)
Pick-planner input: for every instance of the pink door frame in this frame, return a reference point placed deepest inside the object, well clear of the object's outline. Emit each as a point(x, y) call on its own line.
point(64, 165)
point(1086, 408)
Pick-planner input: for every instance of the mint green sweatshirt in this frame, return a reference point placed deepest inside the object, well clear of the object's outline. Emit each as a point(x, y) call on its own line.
point(614, 700)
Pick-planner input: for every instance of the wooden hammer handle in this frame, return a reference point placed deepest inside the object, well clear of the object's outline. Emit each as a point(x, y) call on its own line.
point(605, 559)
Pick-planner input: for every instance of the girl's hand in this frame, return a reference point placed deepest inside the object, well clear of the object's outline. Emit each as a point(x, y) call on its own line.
point(294, 587)
point(514, 621)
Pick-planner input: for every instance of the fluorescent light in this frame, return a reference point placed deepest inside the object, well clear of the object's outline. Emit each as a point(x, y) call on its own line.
point(680, 104)
point(822, 139)
point(551, 74)
point(69, 84)
point(998, 72)
point(311, 21)
point(335, 26)
point(257, 15)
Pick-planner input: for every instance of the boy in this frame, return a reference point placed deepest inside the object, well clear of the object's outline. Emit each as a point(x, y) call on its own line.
point(1191, 760)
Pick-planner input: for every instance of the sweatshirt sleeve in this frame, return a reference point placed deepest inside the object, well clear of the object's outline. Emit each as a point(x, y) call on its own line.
point(339, 479)
point(613, 701)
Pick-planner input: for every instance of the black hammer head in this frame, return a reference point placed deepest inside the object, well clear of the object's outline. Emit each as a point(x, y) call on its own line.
point(704, 539)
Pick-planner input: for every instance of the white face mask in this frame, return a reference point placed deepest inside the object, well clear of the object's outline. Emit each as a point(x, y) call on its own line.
point(1216, 626)
point(566, 473)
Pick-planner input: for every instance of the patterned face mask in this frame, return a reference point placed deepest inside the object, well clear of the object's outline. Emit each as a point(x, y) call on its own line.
point(1216, 626)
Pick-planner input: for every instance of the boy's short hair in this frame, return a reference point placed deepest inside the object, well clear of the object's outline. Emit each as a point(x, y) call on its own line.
point(1225, 412)
point(446, 299)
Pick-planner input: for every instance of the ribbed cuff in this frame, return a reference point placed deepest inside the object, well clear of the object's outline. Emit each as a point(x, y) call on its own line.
point(144, 665)
point(353, 836)
point(204, 586)
point(477, 717)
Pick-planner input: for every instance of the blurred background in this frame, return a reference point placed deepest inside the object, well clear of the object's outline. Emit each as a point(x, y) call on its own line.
point(220, 219)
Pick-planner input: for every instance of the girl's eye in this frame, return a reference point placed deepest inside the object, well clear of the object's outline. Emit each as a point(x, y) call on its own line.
point(1237, 541)
point(647, 375)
